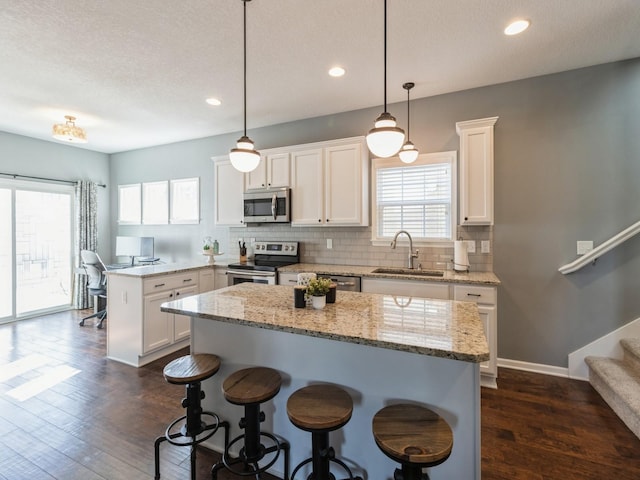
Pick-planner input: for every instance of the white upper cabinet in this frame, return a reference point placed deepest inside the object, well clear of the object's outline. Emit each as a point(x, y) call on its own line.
point(476, 171)
point(229, 193)
point(273, 171)
point(329, 184)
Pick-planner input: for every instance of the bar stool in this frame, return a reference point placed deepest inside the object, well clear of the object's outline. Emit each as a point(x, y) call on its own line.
point(320, 409)
point(190, 370)
point(249, 388)
point(413, 436)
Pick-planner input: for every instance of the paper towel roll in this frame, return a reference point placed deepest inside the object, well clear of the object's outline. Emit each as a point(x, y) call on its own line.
point(460, 256)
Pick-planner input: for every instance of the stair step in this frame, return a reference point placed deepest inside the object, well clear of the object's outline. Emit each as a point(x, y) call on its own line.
point(619, 384)
point(631, 348)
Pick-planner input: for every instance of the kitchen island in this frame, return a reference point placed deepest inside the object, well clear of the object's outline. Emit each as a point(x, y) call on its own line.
point(380, 349)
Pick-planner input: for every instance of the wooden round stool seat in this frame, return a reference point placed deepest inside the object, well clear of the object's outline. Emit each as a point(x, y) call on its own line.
point(319, 407)
point(252, 385)
point(191, 368)
point(414, 435)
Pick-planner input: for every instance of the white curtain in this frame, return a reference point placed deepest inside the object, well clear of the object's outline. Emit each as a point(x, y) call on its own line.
point(86, 237)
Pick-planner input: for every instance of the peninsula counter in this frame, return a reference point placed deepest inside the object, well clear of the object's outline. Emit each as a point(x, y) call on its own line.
point(379, 349)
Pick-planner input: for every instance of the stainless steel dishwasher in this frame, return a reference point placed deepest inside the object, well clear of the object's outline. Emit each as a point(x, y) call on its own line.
point(344, 282)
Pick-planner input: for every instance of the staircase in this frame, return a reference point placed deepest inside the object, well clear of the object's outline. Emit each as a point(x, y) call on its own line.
point(618, 382)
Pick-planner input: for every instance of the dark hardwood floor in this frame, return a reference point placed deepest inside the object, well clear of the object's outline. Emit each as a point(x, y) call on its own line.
point(97, 419)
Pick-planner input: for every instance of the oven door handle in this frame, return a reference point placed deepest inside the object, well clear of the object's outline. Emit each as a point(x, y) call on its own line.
point(247, 273)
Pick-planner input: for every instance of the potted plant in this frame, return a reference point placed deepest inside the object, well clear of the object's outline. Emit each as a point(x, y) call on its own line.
point(317, 290)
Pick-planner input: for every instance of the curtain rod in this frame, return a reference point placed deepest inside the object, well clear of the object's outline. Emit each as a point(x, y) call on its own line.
point(70, 182)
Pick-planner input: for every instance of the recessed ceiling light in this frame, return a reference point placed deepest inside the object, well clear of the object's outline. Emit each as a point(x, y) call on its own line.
point(337, 72)
point(517, 27)
point(213, 101)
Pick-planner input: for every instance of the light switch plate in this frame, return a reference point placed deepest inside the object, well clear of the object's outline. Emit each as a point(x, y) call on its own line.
point(329, 243)
point(584, 246)
point(485, 246)
point(471, 246)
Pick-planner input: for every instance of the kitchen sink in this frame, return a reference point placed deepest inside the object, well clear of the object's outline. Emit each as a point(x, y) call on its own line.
point(410, 271)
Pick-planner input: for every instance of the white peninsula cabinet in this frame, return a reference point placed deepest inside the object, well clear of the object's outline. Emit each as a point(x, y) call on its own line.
point(138, 332)
point(329, 184)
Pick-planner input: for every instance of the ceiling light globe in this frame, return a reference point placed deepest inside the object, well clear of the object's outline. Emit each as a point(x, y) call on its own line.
point(385, 139)
point(409, 153)
point(519, 26)
point(244, 157)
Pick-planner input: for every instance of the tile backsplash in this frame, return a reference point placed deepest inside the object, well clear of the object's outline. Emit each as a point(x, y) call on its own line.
point(352, 246)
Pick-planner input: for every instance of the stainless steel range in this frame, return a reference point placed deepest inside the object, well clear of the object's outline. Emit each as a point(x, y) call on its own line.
point(268, 256)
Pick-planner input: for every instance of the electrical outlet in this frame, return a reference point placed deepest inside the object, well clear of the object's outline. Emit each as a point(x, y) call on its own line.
point(485, 246)
point(124, 297)
point(584, 247)
point(471, 246)
point(329, 243)
point(252, 240)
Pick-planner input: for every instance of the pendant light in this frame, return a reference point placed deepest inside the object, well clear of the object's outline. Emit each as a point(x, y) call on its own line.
point(409, 152)
point(385, 139)
point(244, 157)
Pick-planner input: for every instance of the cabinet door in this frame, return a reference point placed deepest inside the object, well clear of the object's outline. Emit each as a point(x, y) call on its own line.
point(221, 278)
point(476, 171)
point(307, 187)
point(157, 326)
point(182, 323)
point(344, 186)
point(489, 322)
point(206, 280)
point(257, 178)
point(278, 170)
point(229, 192)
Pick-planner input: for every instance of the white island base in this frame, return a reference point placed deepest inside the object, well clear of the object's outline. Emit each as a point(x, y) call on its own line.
point(375, 377)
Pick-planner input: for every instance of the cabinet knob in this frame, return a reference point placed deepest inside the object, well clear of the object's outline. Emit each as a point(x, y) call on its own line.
point(466, 218)
point(319, 220)
point(177, 293)
point(170, 295)
point(327, 220)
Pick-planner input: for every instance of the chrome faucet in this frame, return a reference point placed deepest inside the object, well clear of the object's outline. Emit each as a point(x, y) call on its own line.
point(411, 254)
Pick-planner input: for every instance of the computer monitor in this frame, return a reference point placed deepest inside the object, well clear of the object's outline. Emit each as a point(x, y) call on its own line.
point(133, 247)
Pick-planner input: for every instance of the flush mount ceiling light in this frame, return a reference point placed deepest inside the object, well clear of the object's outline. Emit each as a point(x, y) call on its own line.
point(409, 152)
point(244, 157)
point(337, 72)
point(69, 132)
point(385, 139)
point(213, 101)
point(519, 26)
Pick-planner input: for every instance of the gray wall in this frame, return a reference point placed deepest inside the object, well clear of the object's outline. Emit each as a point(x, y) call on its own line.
point(29, 156)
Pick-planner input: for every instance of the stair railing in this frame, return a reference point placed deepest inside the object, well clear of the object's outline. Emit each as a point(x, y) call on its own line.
point(593, 255)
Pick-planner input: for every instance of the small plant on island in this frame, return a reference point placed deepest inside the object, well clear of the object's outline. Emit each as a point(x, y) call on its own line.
point(318, 286)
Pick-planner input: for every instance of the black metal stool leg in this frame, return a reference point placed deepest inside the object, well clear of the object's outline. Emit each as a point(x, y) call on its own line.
point(157, 443)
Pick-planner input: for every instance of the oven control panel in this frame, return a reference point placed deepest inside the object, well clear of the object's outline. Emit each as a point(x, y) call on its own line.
point(276, 248)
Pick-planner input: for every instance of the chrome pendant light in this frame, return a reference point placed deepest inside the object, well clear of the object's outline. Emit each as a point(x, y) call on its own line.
point(385, 139)
point(409, 152)
point(244, 157)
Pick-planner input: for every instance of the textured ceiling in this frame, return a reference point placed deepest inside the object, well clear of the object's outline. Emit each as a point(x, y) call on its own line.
point(136, 73)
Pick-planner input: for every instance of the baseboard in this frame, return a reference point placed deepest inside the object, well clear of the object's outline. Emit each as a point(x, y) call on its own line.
point(534, 367)
point(606, 346)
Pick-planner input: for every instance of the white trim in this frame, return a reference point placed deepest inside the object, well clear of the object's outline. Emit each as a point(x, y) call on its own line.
point(479, 123)
point(606, 346)
point(534, 367)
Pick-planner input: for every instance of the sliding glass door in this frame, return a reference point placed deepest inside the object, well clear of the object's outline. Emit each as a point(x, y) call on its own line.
point(36, 249)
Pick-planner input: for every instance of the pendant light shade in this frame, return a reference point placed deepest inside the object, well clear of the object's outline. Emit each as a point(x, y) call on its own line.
point(385, 138)
point(409, 152)
point(244, 157)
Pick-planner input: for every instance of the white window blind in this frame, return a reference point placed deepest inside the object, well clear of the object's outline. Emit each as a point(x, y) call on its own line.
point(416, 198)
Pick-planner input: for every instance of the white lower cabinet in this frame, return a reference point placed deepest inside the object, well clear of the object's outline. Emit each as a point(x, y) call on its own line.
point(221, 277)
point(206, 280)
point(138, 331)
point(407, 288)
point(487, 300)
point(485, 296)
point(287, 279)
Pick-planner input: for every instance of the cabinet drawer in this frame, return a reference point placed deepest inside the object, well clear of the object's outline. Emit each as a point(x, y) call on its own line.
point(170, 282)
point(472, 293)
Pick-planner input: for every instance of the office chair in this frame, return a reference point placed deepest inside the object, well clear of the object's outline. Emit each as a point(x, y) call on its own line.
point(96, 283)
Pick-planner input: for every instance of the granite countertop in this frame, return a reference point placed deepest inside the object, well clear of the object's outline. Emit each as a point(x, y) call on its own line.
point(160, 269)
point(479, 278)
point(438, 328)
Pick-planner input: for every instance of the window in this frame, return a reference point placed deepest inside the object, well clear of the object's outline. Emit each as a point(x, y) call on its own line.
point(129, 204)
point(185, 200)
point(418, 197)
point(155, 203)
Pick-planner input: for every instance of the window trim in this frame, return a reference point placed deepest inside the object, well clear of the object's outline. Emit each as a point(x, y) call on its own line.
point(450, 157)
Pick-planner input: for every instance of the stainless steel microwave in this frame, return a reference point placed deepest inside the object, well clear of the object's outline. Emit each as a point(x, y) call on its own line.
point(271, 205)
